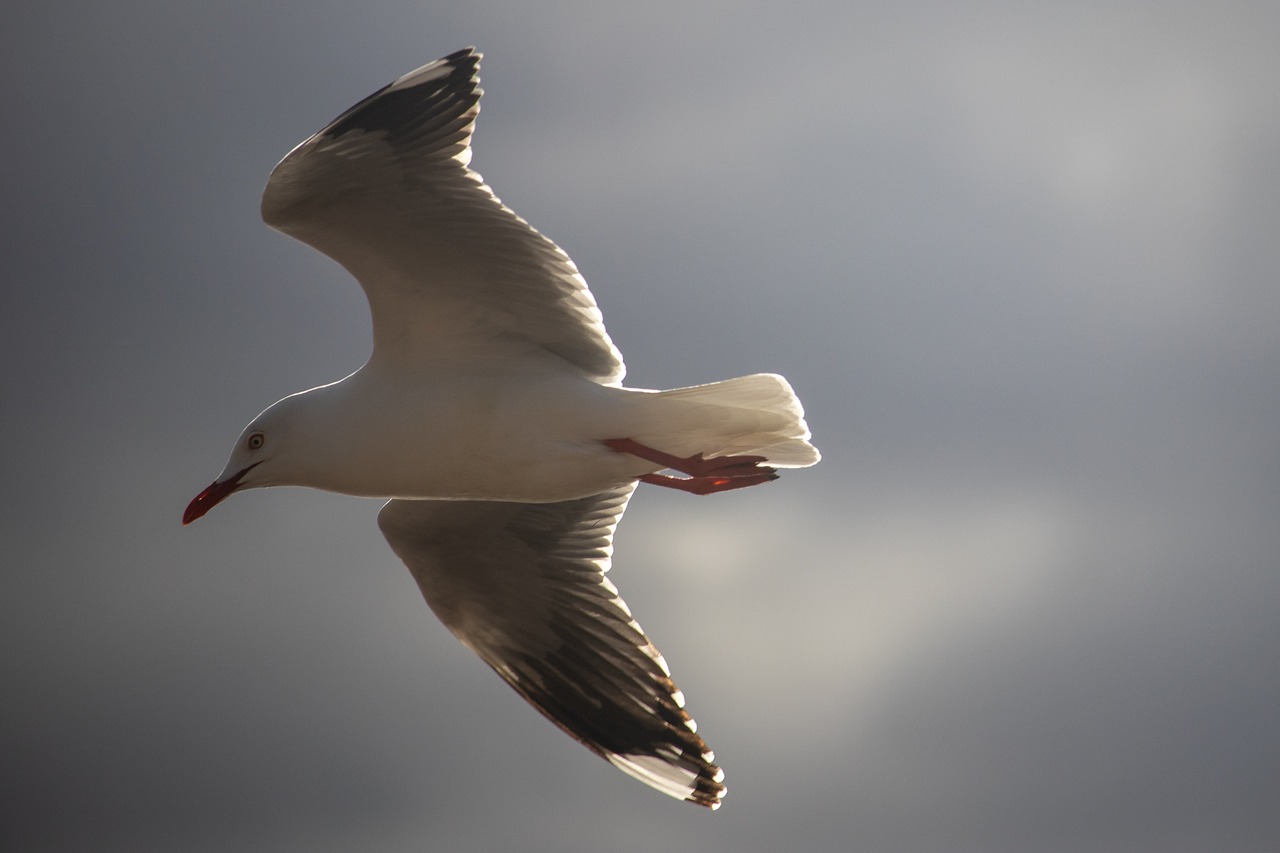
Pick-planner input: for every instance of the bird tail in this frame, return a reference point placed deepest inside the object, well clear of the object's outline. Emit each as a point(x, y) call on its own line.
point(755, 415)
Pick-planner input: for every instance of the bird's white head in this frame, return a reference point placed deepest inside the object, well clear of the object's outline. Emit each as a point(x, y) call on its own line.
point(259, 458)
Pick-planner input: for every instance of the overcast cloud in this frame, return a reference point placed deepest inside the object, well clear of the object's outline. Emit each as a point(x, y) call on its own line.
point(1020, 262)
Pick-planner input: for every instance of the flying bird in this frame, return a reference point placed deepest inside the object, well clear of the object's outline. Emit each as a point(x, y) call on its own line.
point(491, 413)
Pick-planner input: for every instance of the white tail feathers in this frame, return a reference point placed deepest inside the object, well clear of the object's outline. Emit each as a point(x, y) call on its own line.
point(757, 415)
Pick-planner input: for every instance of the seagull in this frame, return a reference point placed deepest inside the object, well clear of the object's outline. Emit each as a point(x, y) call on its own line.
point(491, 413)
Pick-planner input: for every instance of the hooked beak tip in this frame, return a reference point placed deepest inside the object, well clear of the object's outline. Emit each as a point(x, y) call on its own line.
point(204, 502)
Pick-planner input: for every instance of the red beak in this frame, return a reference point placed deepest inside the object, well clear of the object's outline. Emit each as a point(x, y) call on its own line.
point(213, 495)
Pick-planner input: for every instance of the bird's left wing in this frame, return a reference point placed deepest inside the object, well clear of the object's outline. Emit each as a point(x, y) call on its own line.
point(524, 587)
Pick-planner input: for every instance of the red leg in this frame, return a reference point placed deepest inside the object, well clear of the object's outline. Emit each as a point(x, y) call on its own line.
point(694, 466)
point(706, 476)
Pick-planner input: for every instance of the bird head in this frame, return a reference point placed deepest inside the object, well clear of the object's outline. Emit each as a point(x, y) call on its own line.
point(257, 454)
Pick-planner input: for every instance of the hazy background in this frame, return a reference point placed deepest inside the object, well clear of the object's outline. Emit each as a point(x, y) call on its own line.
point(1020, 261)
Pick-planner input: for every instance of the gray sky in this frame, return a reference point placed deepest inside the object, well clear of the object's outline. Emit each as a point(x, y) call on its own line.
point(1019, 260)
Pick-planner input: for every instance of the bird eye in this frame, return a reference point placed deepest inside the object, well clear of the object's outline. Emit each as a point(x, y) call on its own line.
point(256, 440)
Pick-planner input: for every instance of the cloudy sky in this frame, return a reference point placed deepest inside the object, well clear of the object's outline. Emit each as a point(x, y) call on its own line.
point(1019, 260)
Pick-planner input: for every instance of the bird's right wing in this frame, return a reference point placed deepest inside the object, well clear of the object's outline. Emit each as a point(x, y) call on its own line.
point(452, 275)
point(524, 587)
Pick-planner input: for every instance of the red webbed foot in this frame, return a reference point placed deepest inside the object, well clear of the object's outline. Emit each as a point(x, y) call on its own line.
point(706, 485)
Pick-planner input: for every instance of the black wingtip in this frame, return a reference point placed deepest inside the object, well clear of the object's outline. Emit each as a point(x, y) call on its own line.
point(450, 85)
point(467, 52)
